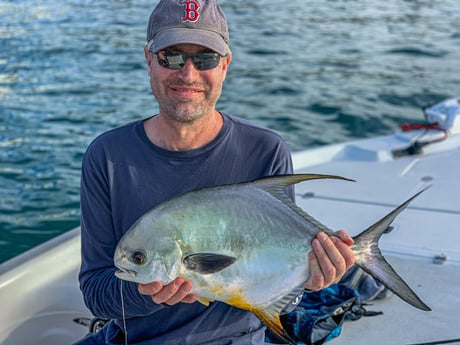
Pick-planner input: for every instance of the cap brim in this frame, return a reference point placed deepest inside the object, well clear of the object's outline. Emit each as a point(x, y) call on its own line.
point(174, 36)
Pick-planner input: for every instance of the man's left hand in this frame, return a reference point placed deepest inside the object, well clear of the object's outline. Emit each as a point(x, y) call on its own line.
point(330, 258)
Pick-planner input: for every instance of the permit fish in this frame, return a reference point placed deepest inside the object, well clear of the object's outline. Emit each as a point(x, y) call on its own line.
point(244, 244)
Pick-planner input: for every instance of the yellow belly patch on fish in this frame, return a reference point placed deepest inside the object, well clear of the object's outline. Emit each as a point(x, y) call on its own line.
point(238, 301)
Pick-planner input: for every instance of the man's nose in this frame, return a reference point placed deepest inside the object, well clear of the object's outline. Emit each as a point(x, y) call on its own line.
point(189, 72)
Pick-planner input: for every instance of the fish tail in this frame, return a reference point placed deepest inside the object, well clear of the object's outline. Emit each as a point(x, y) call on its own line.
point(371, 260)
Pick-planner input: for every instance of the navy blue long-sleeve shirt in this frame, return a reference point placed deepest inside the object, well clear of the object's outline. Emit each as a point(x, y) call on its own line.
point(123, 176)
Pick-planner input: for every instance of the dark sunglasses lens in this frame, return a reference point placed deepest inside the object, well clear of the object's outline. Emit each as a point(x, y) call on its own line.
point(205, 61)
point(171, 60)
point(176, 60)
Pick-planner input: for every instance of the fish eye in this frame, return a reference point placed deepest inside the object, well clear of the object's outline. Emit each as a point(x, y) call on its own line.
point(138, 257)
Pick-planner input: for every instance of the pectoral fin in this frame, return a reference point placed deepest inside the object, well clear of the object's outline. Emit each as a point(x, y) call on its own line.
point(205, 301)
point(207, 263)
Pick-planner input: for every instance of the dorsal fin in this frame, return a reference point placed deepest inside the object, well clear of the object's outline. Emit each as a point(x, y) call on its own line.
point(270, 315)
point(275, 184)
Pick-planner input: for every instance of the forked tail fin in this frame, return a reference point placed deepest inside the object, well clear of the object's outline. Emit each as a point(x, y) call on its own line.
point(371, 260)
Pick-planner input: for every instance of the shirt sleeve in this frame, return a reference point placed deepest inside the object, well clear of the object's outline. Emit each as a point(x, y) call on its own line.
point(99, 286)
point(281, 164)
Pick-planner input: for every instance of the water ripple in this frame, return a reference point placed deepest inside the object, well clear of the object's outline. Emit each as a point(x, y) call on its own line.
point(317, 74)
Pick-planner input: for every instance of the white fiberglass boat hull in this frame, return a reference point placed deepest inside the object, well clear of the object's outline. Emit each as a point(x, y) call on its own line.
point(39, 291)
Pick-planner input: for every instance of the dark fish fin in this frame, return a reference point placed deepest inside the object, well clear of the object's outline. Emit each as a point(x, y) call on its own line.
point(270, 316)
point(275, 184)
point(371, 260)
point(207, 263)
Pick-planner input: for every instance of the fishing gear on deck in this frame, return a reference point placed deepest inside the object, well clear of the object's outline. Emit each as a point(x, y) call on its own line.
point(320, 315)
point(443, 117)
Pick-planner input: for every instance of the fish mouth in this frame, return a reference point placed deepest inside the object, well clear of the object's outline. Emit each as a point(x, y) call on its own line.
point(126, 274)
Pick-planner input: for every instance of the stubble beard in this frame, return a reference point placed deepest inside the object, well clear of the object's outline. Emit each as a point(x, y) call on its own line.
point(187, 111)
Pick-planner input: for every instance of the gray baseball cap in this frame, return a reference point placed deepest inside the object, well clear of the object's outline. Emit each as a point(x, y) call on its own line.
point(200, 22)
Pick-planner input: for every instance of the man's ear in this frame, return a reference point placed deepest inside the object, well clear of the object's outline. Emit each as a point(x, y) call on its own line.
point(226, 63)
point(148, 58)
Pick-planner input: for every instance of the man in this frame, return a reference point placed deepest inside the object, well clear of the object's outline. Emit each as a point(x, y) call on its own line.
point(188, 145)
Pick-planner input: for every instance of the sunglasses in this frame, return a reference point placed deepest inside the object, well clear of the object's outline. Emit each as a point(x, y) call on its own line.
point(176, 60)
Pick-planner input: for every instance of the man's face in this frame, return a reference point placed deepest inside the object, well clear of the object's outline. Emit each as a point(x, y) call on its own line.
point(186, 94)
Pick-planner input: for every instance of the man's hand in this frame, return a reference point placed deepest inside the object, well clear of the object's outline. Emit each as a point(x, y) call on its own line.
point(176, 291)
point(330, 258)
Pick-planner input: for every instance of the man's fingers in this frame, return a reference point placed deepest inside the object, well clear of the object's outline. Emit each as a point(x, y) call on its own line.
point(180, 290)
point(190, 298)
point(345, 237)
point(331, 258)
point(150, 289)
point(168, 292)
point(176, 291)
point(346, 252)
point(316, 280)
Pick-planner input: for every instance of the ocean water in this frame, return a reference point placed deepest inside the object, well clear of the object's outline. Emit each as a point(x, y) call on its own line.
point(317, 72)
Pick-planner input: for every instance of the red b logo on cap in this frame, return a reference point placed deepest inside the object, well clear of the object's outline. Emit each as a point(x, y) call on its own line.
point(191, 9)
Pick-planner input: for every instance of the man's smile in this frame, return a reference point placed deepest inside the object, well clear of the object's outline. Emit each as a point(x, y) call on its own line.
point(187, 92)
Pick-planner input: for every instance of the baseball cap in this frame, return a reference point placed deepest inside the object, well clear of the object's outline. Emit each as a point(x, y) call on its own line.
point(200, 22)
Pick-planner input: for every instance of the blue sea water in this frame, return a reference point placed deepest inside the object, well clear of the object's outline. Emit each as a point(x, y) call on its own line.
point(315, 71)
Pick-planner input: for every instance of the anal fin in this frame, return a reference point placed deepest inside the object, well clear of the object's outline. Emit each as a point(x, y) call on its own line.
point(274, 324)
point(270, 315)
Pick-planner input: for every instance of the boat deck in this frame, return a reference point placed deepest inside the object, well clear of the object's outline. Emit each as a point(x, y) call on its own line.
point(423, 246)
